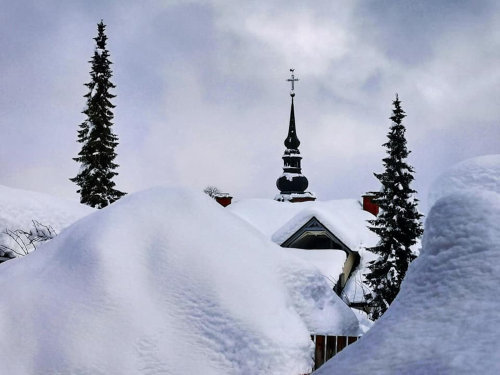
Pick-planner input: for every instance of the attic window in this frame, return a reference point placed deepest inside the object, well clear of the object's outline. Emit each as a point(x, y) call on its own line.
point(314, 235)
point(315, 240)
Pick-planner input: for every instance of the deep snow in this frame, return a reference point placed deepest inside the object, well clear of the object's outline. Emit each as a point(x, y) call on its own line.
point(345, 218)
point(19, 207)
point(164, 281)
point(481, 173)
point(329, 263)
point(445, 319)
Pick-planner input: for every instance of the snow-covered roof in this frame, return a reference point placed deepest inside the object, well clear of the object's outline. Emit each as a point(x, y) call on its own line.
point(279, 220)
point(164, 281)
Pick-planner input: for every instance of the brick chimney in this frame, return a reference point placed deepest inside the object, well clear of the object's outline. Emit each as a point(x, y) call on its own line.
point(223, 199)
point(369, 205)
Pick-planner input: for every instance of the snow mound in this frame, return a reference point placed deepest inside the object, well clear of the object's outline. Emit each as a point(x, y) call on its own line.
point(266, 215)
point(444, 320)
point(481, 173)
point(164, 281)
point(328, 262)
point(24, 211)
point(18, 208)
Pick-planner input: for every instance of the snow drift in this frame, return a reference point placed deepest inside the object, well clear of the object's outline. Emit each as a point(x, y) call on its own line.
point(481, 173)
point(163, 282)
point(445, 319)
point(19, 207)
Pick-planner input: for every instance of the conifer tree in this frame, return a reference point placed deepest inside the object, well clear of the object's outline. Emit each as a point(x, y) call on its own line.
point(398, 224)
point(97, 154)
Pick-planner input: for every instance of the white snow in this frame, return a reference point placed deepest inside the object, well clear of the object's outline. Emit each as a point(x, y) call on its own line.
point(445, 319)
point(356, 287)
point(266, 215)
point(481, 173)
point(164, 281)
point(289, 197)
point(365, 324)
point(328, 262)
point(290, 176)
point(19, 207)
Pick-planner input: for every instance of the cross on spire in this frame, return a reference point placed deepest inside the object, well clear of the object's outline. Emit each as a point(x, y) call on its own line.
point(292, 80)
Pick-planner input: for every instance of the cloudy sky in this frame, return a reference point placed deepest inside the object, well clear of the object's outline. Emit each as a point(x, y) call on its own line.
point(202, 96)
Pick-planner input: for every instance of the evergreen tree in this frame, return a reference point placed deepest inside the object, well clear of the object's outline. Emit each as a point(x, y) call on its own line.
point(398, 224)
point(97, 154)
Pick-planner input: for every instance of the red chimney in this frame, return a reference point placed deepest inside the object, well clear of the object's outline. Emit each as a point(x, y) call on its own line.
point(223, 199)
point(369, 205)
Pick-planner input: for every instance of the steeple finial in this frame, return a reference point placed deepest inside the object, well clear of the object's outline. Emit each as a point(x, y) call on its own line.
point(292, 80)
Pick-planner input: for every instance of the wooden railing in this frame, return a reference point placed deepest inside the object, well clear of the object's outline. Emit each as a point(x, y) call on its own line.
point(328, 346)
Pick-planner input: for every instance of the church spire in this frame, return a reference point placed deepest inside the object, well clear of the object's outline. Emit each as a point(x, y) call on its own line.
point(292, 184)
point(292, 141)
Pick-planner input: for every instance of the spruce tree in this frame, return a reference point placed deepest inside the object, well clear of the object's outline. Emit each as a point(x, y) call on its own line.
point(97, 154)
point(398, 224)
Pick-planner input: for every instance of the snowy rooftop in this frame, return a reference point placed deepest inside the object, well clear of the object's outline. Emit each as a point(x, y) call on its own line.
point(279, 220)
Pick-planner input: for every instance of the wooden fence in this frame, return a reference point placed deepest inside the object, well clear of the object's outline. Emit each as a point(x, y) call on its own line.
point(328, 346)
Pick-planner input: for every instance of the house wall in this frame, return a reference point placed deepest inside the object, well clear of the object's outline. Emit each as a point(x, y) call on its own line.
point(350, 264)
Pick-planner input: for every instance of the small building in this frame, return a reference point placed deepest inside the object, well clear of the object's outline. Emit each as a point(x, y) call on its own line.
point(332, 235)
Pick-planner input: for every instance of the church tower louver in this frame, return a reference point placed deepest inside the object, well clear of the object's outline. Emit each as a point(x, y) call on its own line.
point(292, 183)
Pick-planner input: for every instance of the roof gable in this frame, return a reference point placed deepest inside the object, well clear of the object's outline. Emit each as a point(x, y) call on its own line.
point(314, 227)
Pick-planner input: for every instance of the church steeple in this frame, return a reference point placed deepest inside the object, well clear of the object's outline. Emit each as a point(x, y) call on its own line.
point(292, 184)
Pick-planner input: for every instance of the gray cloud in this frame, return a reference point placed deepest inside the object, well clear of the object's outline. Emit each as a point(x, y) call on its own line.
point(202, 97)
